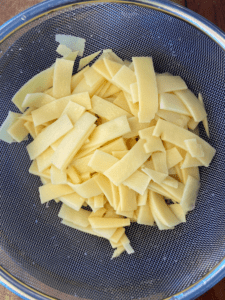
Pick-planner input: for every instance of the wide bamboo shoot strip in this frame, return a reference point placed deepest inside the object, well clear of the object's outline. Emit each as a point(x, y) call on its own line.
point(73, 141)
point(48, 136)
point(39, 83)
point(128, 164)
point(147, 88)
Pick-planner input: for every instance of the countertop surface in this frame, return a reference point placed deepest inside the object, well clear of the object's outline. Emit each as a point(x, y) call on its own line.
point(213, 10)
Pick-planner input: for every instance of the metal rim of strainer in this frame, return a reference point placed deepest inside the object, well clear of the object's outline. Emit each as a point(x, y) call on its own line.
point(208, 28)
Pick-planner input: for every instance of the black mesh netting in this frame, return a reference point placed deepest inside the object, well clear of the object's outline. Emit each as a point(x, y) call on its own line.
point(64, 263)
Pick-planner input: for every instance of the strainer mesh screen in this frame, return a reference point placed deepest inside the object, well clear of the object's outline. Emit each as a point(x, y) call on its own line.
point(64, 263)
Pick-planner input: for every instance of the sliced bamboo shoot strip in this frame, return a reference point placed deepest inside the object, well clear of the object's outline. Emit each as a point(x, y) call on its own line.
point(117, 234)
point(73, 175)
point(128, 198)
point(122, 102)
point(190, 194)
point(17, 130)
point(30, 128)
point(92, 77)
point(48, 136)
point(128, 164)
point(194, 148)
point(170, 181)
point(171, 102)
point(109, 222)
point(190, 162)
point(73, 200)
point(156, 176)
point(111, 91)
point(104, 184)
point(106, 109)
point(99, 201)
point(74, 111)
point(118, 252)
point(100, 67)
point(107, 233)
point(112, 66)
point(134, 92)
point(147, 88)
point(57, 176)
point(170, 116)
point(108, 131)
point(160, 209)
point(82, 87)
point(37, 100)
point(73, 141)
point(101, 161)
point(175, 192)
point(81, 164)
point(192, 103)
point(173, 157)
point(178, 212)
point(98, 213)
point(153, 143)
point(86, 189)
point(34, 170)
point(87, 229)
point(193, 171)
point(77, 78)
point(119, 154)
point(62, 78)
point(177, 135)
point(168, 83)
point(87, 59)
point(77, 217)
point(159, 162)
point(138, 182)
point(11, 118)
point(45, 159)
point(54, 109)
point(51, 191)
point(37, 84)
point(155, 187)
point(124, 78)
point(135, 127)
point(145, 215)
point(142, 199)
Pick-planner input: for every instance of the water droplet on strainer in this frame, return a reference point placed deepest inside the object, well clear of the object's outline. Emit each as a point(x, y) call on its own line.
point(20, 49)
point(23, 18)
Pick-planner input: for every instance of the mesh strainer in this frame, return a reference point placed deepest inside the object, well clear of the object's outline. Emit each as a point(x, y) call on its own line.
point(44, 259)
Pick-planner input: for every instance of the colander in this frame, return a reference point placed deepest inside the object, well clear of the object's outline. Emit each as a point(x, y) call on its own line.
point(43, 259)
